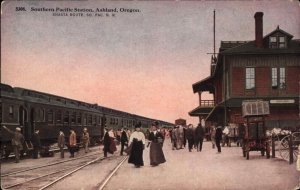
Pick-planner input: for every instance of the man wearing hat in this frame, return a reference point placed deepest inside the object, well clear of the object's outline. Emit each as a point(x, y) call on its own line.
point(17, 141)
point(61, 143)
point(72, 142)
point(124, 140)
point(106, 142)
point(36, 142)
point(85, 140)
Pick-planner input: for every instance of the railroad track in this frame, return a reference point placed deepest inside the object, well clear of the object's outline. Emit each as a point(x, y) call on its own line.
point(106, 180)
point(50, 164)
point(58, 175)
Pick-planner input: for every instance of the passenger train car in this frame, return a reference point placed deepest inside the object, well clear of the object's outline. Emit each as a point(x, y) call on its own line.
point(49, 113)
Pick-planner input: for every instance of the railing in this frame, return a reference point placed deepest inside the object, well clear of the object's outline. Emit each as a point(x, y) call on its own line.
point(207, 103)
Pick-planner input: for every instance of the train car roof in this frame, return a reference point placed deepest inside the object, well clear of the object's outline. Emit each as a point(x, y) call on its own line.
point(50, 99)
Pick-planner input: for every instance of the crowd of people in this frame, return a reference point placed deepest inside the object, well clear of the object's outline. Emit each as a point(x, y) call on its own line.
point(133, 143)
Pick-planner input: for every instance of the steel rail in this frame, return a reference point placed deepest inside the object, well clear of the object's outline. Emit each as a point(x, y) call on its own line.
point(17, 184)
point(112, 173)
point(73, 171)
point(46, 165)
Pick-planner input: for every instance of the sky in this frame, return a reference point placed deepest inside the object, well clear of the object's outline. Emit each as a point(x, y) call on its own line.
point(140, 62)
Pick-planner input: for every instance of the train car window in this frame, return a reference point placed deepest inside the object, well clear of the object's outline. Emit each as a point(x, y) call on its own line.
point(58, 116)
point(99, 120)
point(94, 120)
point(42, 114)
point(11, 112)
point(73, 117)
point(84, 119)
point(50, 116)
point(89, 119)
point(66, 117)
point(79, 118)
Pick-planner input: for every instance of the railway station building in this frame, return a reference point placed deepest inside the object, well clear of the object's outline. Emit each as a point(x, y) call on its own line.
point(266, 68)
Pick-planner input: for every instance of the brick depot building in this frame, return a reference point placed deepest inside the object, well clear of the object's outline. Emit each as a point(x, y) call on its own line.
point(267, 68)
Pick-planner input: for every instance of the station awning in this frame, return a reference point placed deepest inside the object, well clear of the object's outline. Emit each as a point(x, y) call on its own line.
point(200, 111)
point(216, 114)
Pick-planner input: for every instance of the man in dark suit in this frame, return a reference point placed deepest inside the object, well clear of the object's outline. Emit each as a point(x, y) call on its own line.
point(36, 142)
point(61, 143)
point(124, 140)
point(218, 138)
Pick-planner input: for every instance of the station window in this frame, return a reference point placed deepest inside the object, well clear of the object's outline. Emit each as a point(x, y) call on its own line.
point(79, 118)
point(66, 117)
point(272, 42)
point(277, 42)
point(250, 78)
point(278, 82)
point(274, 78)
point(58, 116)
point(73, 117)
point(50, 116)
point(282, 83)
point(282, 42)
point(11, 112)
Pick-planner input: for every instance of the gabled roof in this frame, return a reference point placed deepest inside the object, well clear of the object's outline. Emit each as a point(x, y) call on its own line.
point(279, 30)
point(250, 48)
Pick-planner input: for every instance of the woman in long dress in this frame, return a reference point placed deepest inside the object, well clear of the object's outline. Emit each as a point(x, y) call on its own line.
point(112, 147)
point(137, 141)
point(156, 153)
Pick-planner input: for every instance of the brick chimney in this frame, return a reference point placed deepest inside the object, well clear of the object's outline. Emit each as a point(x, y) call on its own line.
point(259, 29)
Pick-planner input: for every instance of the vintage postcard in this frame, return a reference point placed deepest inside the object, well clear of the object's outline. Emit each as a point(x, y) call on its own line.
point(170, 94)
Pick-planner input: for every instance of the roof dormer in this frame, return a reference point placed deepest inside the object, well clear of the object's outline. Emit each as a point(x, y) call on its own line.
point(278, 39)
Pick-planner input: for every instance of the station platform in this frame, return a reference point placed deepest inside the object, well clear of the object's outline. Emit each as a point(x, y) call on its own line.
point(207, 170)
point(184, 170)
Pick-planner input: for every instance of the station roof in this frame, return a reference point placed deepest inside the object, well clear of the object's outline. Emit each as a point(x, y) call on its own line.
point(204, 85)
point(200, 111)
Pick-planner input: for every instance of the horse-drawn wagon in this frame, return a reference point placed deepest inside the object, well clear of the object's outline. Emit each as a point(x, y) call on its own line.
point(255, 138)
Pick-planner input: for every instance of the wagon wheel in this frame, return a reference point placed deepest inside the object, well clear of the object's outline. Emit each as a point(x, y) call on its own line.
point(284, 146)
point(296, 142)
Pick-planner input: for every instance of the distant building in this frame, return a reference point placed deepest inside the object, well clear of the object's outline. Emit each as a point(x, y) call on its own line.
point(267, 68)
point(180, 122)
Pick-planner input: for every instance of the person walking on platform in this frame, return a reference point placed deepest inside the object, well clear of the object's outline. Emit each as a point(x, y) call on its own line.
point(36, 142)
point(72, 143)
point(106, 142)
point(173, 138)
point(85, 140)
point(199, 136)
point(218, 138)
point(156, 140)
point(137, 141)
point(17, 141)
point(189, 135)
point(112, 147)
point(213, 135)
point(61, 143)
point(184, 135)
point(124, 140)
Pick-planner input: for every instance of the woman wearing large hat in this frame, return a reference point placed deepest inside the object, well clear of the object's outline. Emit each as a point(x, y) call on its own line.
point(137, 143)
point(156, 139)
